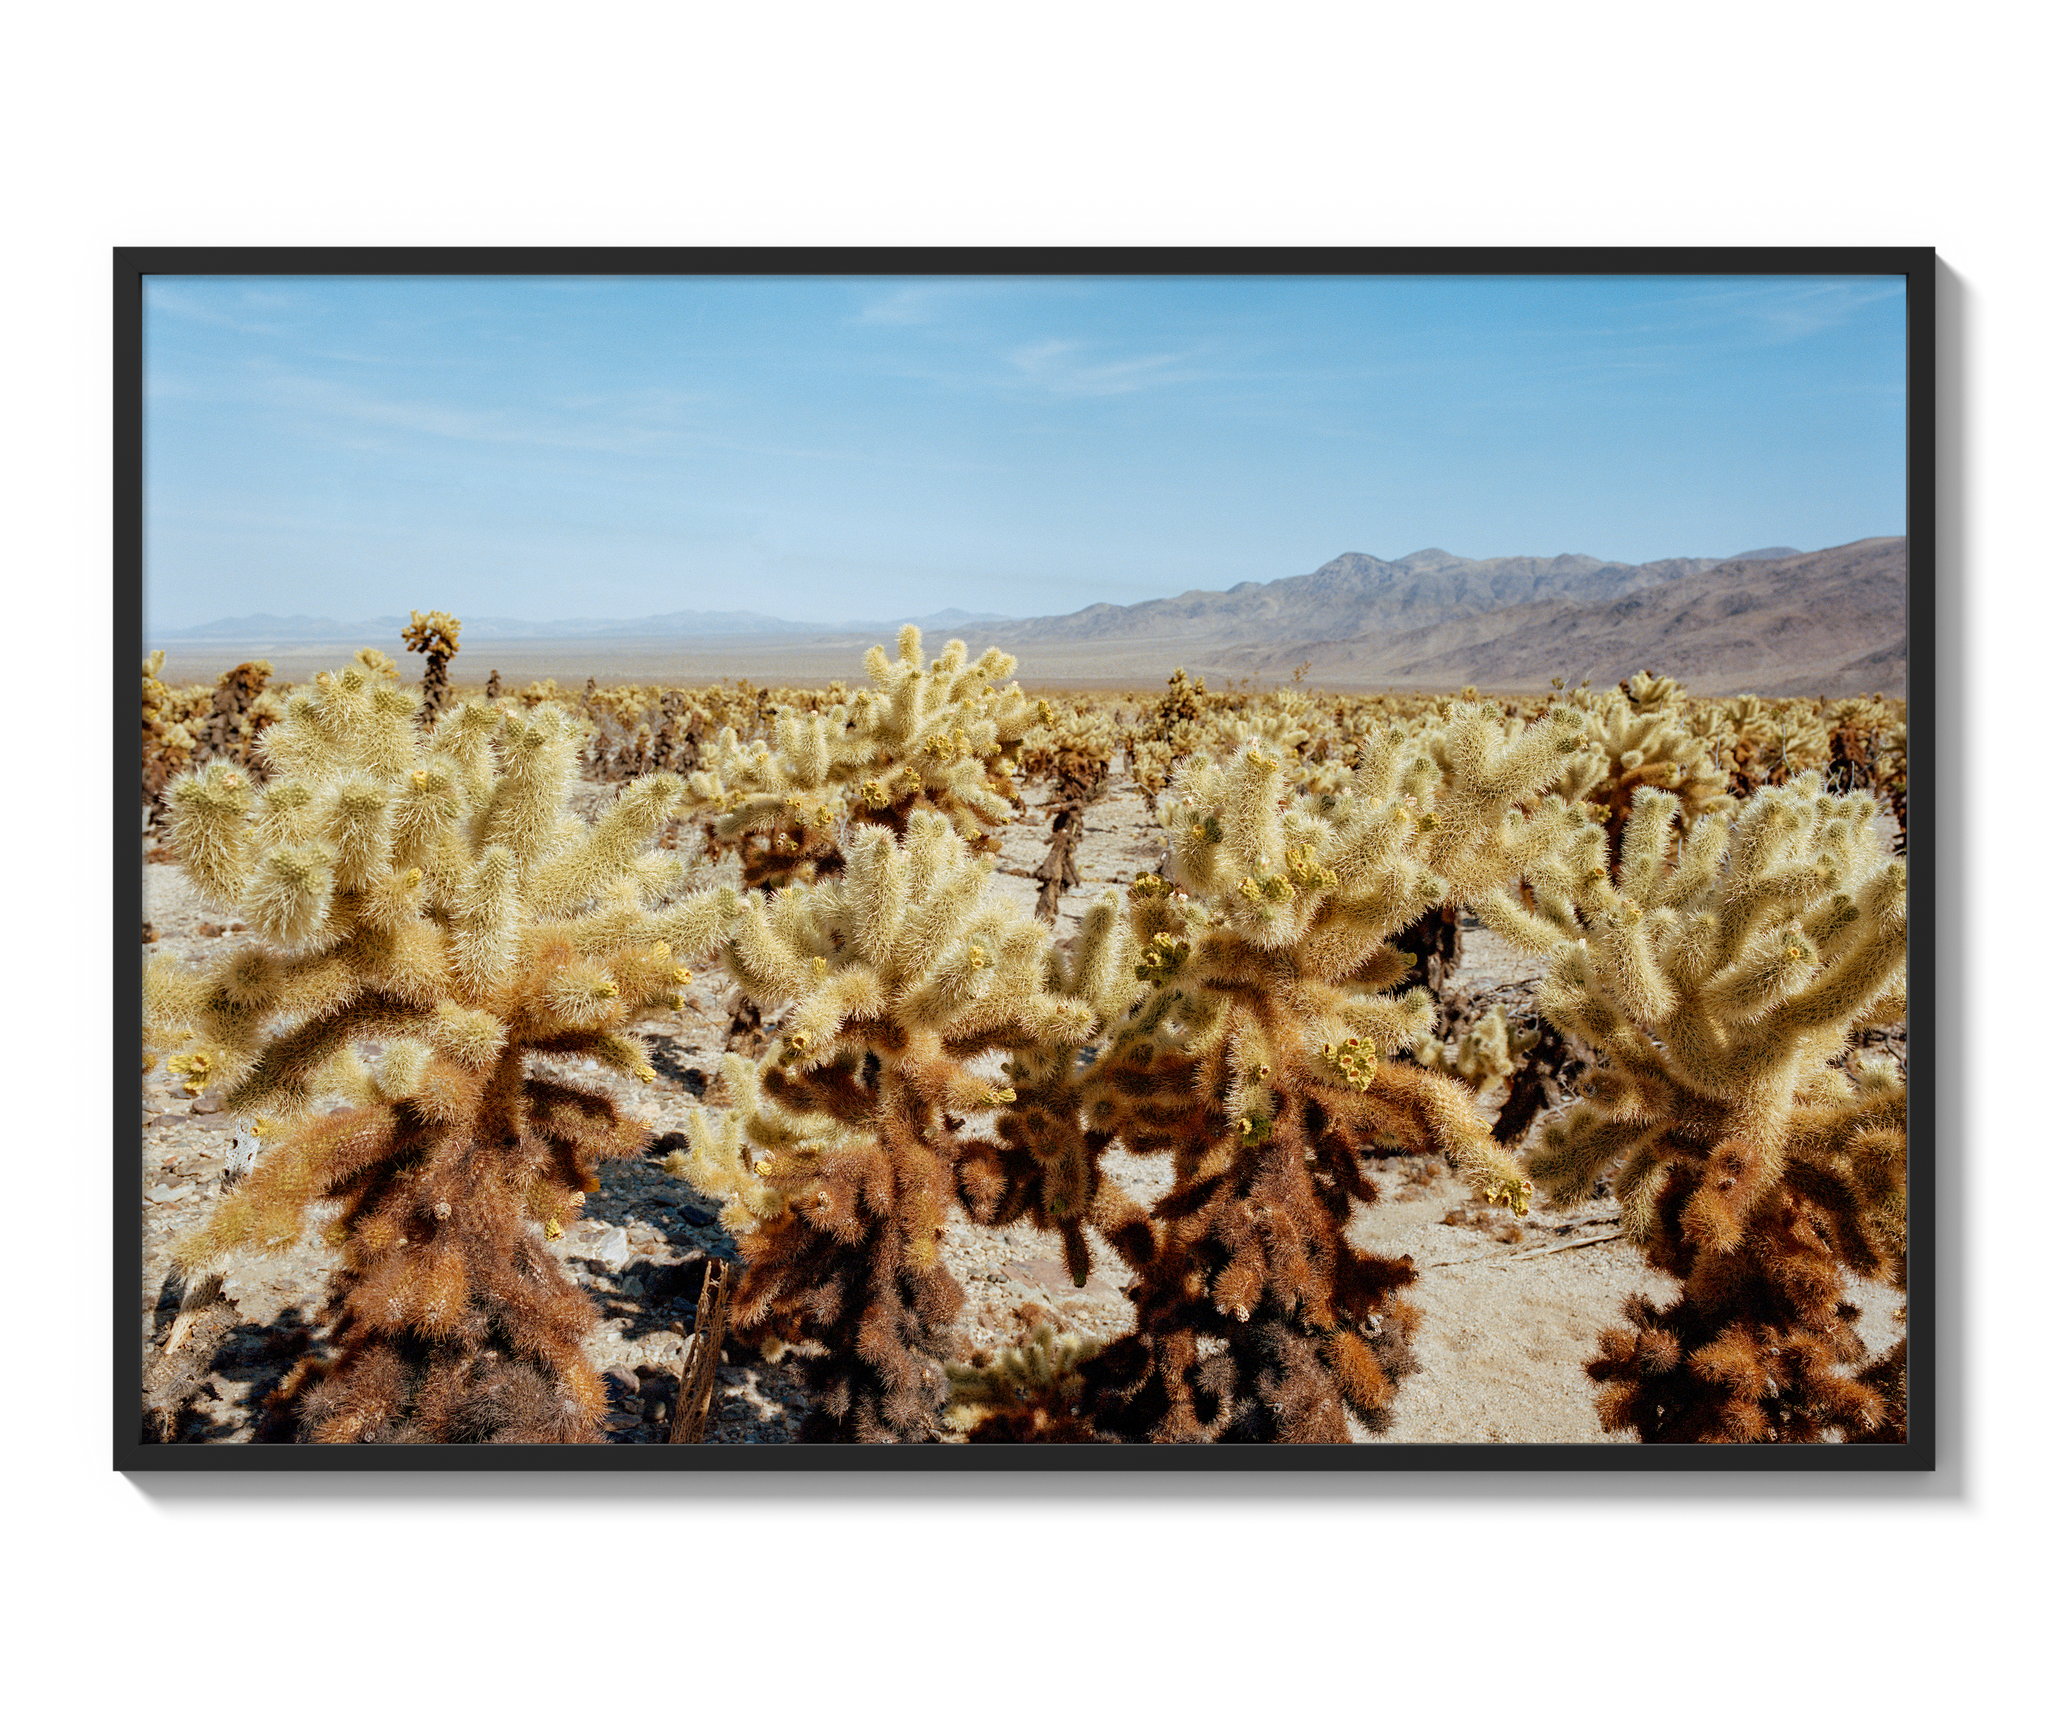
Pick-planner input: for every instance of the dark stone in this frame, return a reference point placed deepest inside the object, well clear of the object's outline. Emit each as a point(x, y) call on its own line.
point(683, 1280)
point(697, 1217)
point(625, 1382)
point(211, 930)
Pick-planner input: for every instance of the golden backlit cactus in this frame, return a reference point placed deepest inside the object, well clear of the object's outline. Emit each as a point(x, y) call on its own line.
point(1032, 1393)
point(939, 737)
point(905, 975)
point(1637, 738)
point(1484, 1056)
point(1716, 982)
point(1267, 1060)
point(424, 898)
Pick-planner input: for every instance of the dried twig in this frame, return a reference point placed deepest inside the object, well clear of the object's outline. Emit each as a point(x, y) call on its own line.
point(1561, 1247)
point(699, 1370)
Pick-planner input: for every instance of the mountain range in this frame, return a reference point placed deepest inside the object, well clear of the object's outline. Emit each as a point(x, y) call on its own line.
point(1781, 620)
point(488, 629)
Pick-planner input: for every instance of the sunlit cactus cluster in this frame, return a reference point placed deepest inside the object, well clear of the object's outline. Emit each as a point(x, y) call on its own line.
point(425, 889)
point(1718, 981)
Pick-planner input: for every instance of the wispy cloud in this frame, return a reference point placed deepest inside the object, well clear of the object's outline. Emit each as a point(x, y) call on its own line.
point(910, 306)
point(1065, 367)
point(930, 303)
point(634, 424)
point(172, 301)
point(1778, 310)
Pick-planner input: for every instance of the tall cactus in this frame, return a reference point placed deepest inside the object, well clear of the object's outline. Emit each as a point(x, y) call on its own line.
point(837, 1160)
point(426, 890)
point(1717, 981)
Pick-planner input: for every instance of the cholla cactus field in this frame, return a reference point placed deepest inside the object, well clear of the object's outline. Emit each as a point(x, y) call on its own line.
point(1176, 1064)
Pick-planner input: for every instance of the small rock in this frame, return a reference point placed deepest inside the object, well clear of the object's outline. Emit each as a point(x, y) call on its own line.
point(207, 1104)
point(627, 1382)
point(697, 1217)
point(238, 926)
point(645, 1234)
point(148, 931)
point(612, 1249)
point(166, 1195)
point(211, 930)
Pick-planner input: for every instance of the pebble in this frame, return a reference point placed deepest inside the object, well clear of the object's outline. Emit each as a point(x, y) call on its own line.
point(625, 1378)
point(612, 1249)
point(697, 1217)
point(207, 1104)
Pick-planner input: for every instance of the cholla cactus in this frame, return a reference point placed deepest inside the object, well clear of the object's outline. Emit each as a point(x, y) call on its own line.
point(167, 742)
point(1069, 747)
point(1485, 1056)
point(1045, 1163)
point(1028, 1394)
point(241, 709)
point(1180, 711)
point(1637, 739)
point(434, 635)
point(1717, 983)
point(1265, 1060)
point(427, 891)
point(939, 738)
point(838, 1168)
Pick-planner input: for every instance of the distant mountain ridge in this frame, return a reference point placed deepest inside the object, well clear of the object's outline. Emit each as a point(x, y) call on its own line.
point(1827, 622)
point(1341, 595)
point(489, 629)
point(1356, 593)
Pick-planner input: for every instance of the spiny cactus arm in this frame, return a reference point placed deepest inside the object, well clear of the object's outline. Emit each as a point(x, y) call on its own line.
point(486, 923)
point(577, 1128)
point(285, 1076)
point(774, 947)
point(1097, 968)
point(759, 1155)
point(538, 753)
point(1574, 999)
point(228, 1006)
point(172, 999)
point(875, 899)
point(1539, 932)
point(1578, 1148)
point(605, 853)
point(461, 744)
point(699, 923)
point(209, 828)
point(1388, 1024)
point(1454, 1125)
point(300, 1165)
point(1863, 970)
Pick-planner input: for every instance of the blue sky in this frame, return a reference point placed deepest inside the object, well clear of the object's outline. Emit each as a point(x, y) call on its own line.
point(855, 449)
